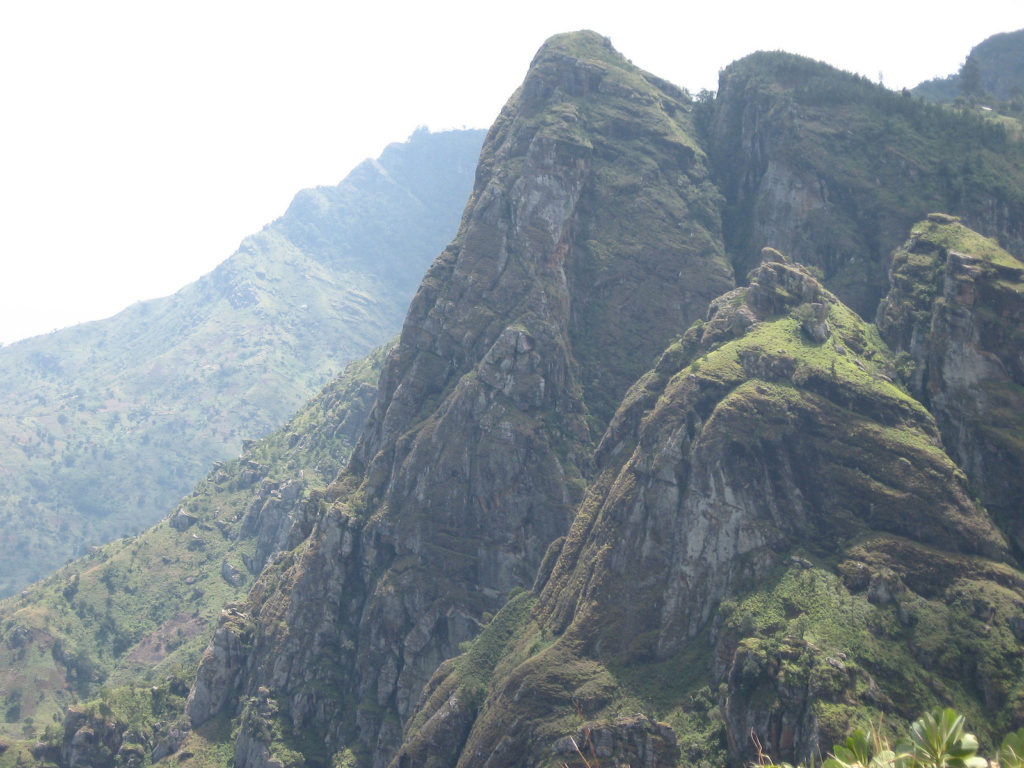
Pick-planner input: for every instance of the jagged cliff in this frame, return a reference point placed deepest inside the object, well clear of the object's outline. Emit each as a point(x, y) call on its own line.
point(636, 487)
point(956, 308)
point(768, 499)
point(524, 333)
point(833, 170)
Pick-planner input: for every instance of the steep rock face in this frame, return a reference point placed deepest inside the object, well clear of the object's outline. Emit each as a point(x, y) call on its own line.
point(524, 334)
point(754, 440)
point(833, 170)
point(90, 740)
point(278, 520)
point(221, 664)
point(956, 307)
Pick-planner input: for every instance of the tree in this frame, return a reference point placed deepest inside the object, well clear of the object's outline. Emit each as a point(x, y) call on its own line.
point(970, 79)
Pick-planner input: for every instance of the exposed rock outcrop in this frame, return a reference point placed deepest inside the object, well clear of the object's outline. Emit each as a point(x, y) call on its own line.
point(626, 741)
point(752, 443)
point(90, 740)
point(833, 170)
point(477, 448)
point(956, 309)
point(279, 518)
point(221, 666)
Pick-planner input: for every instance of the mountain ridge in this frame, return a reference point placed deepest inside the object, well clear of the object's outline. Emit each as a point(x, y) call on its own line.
point(487, 348)
point(608, 498)
point(105, 425)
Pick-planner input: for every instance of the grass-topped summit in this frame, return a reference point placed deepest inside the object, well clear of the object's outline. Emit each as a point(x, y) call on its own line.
point(523, 337)
point(955, 310)
point(833, 170)
point(765, 541)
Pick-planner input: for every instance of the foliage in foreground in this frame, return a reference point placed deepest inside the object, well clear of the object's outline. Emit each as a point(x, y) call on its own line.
point(937, 740)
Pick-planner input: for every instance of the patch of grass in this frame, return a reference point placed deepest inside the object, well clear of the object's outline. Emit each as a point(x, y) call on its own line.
point(135, 610)
point(208, 745)
point(954, 236)
point(476, 665)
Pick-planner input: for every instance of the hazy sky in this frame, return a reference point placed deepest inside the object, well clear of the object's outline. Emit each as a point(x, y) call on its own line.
point(141, 141)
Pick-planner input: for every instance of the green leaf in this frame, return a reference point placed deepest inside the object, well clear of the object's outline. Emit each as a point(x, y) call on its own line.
point(1011, 751)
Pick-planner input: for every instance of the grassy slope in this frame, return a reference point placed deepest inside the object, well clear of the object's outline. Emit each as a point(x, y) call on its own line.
point(136, 610)
point(105, 425)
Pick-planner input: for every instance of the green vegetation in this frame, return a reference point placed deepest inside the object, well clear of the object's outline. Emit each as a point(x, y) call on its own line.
point(137, 611)
point(848, 168)
point(992, 75)
point(937, 739)
point(947, 233)
point(483, 654)
point(104, 426)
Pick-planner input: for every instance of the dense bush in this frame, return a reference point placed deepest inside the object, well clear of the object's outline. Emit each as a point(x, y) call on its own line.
point(937, 740)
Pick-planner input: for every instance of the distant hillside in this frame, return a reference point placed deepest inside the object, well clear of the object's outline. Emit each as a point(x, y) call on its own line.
point(144, 607)
point(702, 445)
point(993, 72)
point(105, 425)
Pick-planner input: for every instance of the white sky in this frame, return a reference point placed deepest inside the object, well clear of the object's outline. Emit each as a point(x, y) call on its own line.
point(140, 141)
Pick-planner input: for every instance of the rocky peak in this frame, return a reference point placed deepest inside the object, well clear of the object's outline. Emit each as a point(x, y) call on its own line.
point(571, 65)
point(833, 170)
point(523, 336)
point(956, 309)
point(754, 442)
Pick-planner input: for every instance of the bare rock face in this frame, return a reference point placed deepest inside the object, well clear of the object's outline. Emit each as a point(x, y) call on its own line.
point(220, 667)
point(626, 741)
point(834, 170)
point(750, 444)
point(956, 309)
point(521, 340)
point(90, 741)
point(182, 520)
point(279, 518)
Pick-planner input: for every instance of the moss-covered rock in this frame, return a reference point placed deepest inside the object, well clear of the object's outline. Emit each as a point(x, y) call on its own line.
point(522, 339)
point(743, 536)
point(955, 309)
point(833, 170)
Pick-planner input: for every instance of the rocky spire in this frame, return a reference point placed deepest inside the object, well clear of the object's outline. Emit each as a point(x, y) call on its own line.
point(772, 443)
point(591, 239)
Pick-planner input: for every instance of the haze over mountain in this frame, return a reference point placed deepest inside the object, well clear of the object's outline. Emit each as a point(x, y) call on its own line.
point(702, 438)
point(105, 425)
point(993, 72)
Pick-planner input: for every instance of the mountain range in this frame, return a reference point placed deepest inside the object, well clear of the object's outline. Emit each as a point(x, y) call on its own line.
point(104, 426)
point(701, 441)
